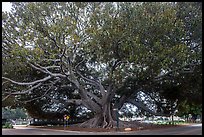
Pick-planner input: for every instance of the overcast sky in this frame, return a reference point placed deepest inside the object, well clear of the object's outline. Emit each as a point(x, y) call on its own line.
point(6, 6)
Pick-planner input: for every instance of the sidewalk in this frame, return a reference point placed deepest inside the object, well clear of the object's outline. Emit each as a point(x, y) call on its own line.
point(20, 126)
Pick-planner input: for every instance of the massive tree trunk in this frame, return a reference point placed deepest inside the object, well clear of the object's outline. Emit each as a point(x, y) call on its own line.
point(103, 107)
point(105, 110)
point(107, 119)
point(102, 119)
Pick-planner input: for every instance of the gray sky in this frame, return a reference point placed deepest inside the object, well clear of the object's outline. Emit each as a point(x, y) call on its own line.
point(6, 6)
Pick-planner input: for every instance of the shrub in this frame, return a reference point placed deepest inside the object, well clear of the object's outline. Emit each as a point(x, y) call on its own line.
point(8, 125)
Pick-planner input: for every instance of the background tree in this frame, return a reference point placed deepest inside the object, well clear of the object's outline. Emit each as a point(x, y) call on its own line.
point(17, 113)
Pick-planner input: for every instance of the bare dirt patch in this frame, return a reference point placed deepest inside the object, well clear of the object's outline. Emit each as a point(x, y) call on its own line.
point(75, 128)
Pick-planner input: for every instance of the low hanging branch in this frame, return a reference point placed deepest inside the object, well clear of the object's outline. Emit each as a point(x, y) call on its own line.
point(28, 83)
point(160, 77)
point(67, 102)
point(46, 71)
point(141, 105)
point(38, 97)
point(28, 90)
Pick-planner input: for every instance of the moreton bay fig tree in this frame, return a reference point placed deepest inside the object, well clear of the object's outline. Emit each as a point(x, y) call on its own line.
point(94, 55)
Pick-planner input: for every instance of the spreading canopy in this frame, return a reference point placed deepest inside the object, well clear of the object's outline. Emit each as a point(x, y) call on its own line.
point(100, 55)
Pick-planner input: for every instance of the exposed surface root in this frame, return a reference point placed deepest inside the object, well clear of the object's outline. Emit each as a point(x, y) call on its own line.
point(96, 123)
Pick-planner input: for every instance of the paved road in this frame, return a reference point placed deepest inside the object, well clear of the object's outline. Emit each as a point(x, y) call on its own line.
point(195, 129)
